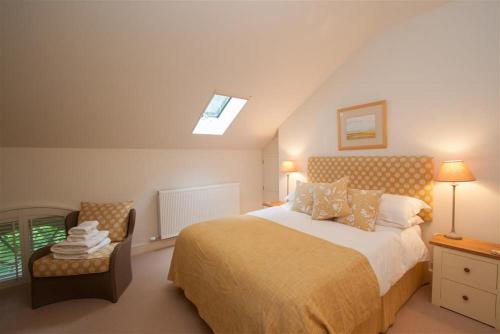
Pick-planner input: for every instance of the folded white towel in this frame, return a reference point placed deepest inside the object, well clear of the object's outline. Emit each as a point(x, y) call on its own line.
point(84, 227)
point(83, 237)
point(82, 245)
point(59, 256)
point(74, 251)
point(88, 242)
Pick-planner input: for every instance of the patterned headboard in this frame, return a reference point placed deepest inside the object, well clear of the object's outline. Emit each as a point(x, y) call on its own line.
point(401, 175)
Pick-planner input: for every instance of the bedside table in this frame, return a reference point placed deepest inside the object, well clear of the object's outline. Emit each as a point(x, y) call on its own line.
point(466, 278)
point(273, 203)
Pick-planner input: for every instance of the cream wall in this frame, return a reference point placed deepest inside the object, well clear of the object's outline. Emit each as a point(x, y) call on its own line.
point(499, 123)
point(439, 75)
point(270, 173)
point(272, 146)
point(68, 176)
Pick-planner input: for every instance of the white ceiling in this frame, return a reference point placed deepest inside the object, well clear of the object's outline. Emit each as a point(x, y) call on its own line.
point(138, 75)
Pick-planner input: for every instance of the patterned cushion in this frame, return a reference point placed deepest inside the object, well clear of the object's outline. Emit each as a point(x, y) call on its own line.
point(364, 209)
point(111, 216)
point(399, 175)
point(330, 200)
point(304, 194)
point(97, 262)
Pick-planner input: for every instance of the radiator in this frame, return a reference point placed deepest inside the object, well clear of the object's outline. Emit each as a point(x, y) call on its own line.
point(179, 208)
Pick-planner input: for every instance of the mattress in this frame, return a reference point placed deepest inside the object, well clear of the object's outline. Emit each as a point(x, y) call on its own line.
point(391, 252)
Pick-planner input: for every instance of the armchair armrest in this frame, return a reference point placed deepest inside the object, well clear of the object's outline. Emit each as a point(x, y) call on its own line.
point(71, 220)
point(120, 267)
point(121, 253)
point(37, 255)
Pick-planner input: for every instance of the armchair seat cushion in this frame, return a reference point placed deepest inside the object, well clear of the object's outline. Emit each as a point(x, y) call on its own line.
point(97, 262)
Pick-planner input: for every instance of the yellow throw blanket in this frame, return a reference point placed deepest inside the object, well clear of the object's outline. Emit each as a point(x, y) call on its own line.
point(250, 275)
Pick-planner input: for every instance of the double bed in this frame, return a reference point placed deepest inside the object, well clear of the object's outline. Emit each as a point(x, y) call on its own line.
point(278, 270)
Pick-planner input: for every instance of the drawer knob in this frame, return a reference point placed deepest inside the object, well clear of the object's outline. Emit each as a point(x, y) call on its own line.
point(467, 270)
point(464, 297)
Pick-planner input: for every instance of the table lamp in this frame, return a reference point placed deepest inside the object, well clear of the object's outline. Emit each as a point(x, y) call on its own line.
point(454, 171)
point(288, 167)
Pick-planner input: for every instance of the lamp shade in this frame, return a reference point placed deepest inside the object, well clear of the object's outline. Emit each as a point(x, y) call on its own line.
point(289, 167)
point(454, 171)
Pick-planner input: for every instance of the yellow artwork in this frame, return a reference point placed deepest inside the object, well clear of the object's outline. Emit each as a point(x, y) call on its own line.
point(362, 126)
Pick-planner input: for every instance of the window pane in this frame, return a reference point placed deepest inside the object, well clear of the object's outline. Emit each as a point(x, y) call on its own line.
point(216, 106)
point(10, 251)
point(47, 230)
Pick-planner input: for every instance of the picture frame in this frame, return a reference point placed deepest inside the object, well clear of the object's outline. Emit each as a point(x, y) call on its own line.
point(363, 126)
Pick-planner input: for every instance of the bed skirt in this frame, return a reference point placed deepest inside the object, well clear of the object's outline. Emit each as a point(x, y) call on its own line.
point(394, 299)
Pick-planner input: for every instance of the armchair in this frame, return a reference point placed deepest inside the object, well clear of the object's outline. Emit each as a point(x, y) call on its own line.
point(109, 284)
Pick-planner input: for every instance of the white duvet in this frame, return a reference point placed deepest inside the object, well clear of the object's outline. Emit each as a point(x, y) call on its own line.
point(391, 252)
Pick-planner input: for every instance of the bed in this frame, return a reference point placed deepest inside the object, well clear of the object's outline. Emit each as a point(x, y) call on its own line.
point(277, 270)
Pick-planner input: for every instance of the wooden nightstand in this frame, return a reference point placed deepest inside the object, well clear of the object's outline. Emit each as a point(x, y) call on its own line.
point(466, 278)
point(273, 203)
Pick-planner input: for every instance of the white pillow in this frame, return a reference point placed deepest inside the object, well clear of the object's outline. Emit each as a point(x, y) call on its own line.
point(412, 221)
point(399, 210)
point(290, 197)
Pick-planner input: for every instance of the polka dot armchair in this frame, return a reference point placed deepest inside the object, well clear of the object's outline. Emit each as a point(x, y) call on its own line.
point(106, 274)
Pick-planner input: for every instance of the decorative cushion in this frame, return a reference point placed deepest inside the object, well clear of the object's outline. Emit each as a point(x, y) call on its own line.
point(364, 209)
point(111, 216)
point(330, 200)
point(303, 200)
point(97, 262)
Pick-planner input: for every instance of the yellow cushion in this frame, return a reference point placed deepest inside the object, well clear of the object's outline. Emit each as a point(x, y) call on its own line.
point(330, 199)
point(111, 216)
point(303, 201)
point(364, 209)
point(97, 262)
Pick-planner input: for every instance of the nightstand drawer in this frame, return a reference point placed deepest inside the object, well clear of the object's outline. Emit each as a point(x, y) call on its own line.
point(469, 301)
point(477, 273)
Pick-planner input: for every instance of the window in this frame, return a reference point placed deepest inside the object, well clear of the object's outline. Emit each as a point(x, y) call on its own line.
point(23, 231)
point(44, 231)
point(11, 264)
point(219, 114)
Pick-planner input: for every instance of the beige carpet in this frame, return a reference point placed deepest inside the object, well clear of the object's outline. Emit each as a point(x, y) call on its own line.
point(152, 305)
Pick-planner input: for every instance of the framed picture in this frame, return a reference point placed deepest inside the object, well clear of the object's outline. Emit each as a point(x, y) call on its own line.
point(363, 126)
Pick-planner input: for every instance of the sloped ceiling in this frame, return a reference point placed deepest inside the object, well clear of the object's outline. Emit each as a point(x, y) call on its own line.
point(139, 74)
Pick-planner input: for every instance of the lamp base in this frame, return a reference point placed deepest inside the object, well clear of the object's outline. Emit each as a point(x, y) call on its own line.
point(453, 235)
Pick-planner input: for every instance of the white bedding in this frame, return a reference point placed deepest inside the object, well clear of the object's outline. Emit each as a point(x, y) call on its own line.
point(390, 251)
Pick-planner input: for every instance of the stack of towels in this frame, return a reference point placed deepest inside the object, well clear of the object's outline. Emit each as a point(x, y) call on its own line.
point(83, 240)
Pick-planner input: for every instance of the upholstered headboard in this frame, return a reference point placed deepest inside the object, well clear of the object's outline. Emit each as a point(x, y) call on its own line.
point(400, 175)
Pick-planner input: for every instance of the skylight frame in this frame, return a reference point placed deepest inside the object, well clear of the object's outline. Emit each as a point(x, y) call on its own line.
point(211, 125)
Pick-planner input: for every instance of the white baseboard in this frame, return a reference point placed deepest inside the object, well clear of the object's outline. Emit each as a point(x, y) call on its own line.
point(152, 246)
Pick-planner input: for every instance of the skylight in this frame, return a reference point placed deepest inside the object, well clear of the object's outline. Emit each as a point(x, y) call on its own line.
point(219, 114)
